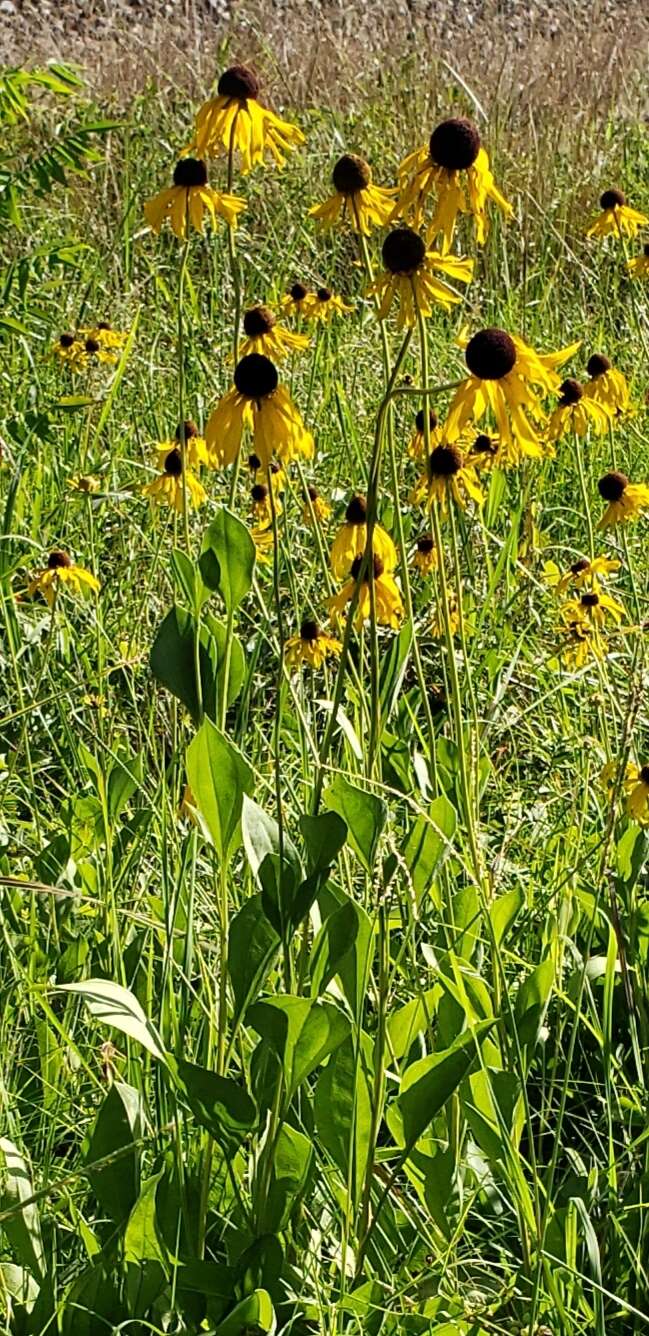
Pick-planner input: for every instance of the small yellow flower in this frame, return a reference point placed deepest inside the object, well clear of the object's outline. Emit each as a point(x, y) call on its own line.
point(167, 489)
point(263, 541)
point(582, 574)
point(592, 607)
point(189, 199)
point(195, 447)
point(455, 168)
point(262, 508)
point(638, 794)
point(94, 350)
point(104, 333)
point(298, 301)
point(617, 218)
point(425, 557)
point(415, 277)
point(387, 599)
point(576, 412)
point(86, 483)
point(264, 335)
point(638, 267)
point(581, 642)
point(69, 350)
point(236, 118)
point(607, 386)
point(484, 453)
point(325, 305)
point(626, 500)
point(61, 572)
point(351, 540)
point(259, 402)
point(311, 647)
point(436, 627)
point(316, 506)
point(448, 475)
point(356, 200)
point(417, 443)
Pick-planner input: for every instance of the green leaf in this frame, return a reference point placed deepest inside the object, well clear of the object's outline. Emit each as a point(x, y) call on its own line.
point(261, 837)
point(219, 634)
point(22, 1227)
point(324, 836)
point(219, 777)
point(413, 1018)
point(252, 947)
point(147, 1263)
point(118, 1125)
point(504, 910)
point(344, 1097)
point(229, 541)
point(188, 580)
point(430, 1082)
point(292, 1159)
point(218, 1103)
point(111, 1004)
point(302, 1034)
point(172, 661)
point(254, 1314)
point(364, 814)
point(532, 1002)
point(427, 844)
point(335, 939)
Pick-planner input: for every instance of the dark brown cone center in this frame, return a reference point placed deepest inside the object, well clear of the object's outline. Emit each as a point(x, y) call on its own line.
point(444, 461)
point(257, 321)
point(376, 562)
point(644, 775)
point(255, 376)
point(309, 630)
point(425, 544)
point(238, 81)
point(571, 391)
point(298, 292)
point(350, 174)
point(455, 144)
point(66, 340)
point(490, 354)
point(259, 492)
point(313, 493)
point(611, 199)
point(356, 512)
point(419, 421)
point(91, 346)
point(190, 172)
point(403, 251)
point(589, 599)
point(597, 365)
point(613, 486)
point(190, 430)
point(579, 566)
point(58, 559)
point(483, 445)
point(174, 464)
point(324, 294)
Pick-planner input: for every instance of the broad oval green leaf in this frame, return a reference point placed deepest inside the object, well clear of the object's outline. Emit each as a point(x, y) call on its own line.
point(219, 777)
point(228, 540)
point(114, 1005)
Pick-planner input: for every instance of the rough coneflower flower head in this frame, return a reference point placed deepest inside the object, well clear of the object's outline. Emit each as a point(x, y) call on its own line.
point(454, 168)
point(617, 217)
point(351, 174)
point(576, 412)
point(312, 646)
point(455, 144)
point(626, 500)
point(356, 200)
point(255, 376)
point(190, 199)
point(415, 277)
point(448, 475)
point(351, 539)
point(607, 386)
point(61, 572)
point(490, 354)
point(403, 251)
point(259, 402)
point(235, 121)
point(238, 81)
point(264, 335)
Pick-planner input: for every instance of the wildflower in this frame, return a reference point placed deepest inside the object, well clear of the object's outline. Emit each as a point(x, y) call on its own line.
point(356, 199)
point(583, 573)
point(61, 571)
point(436, 627)
point(263, 541)
point(637, 786)
point(607, 386)
point(325, 304)
point(576, 412)
point(315, 506)
point(262, 506)
point(593, 607)
point(168, 488)
point(448, 474)
point(236, 119)
point(387, 599)
point(93, 350)
point(411, 276)
point(275, 469)
point(484, 452)
point(582, 641)
point(69, 349)
point(617, 218)
point(264, 335)
point(425, 558)
point(456, 168)
point(503, 371)
point(417, 443)
point(311, 647)
point(626, 500)
point(351, 540)
point(104, 334)
point(86, 483)
point(298, 300)
point(638, 266)
point(195, 447)
point(257, 401)
point(189, 199)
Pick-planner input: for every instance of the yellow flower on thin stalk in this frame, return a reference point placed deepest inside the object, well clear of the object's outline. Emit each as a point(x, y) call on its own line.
point(195, 447)
point(584, 573)
point(637, 786)
point(264, 335)
point(593, 607)
point(415, 277)
point(276, 472)
point(425, 556)
point(236, 117)
point(167, 488)
point(417, 442)
point(262, 506)
point(617, 218)
point(626, 500)
point(86, 483)
point(356, 200)
point(485, 453)
point(351, 540)
point(638, 266)
point(69, 350)
point(454, 168)
point(576, 412)
point(263, 540)
point(257, 401)
point(62, 572)
point(190, 199)
point(388, 603)
point(298, 300)
point(315, 506)
point(311, 647)
point(607, 386)
point(436, 628)
point(325, 305)
point(581, 642)
point(104, 333)
point(95, 351)
point(448, 476)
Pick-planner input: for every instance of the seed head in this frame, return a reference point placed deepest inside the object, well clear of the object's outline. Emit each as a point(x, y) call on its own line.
point(644, 775)
point(309, 630)
point(445, 461)
point(403, 251)
point(358, 561)
point(455, 144)
point(613, 486)
point(191, 430)
point(259, 492)
point(91, 346)
point(419, 420)
point(255, 376)
point(590, 599)
point(483, 445)
point(490, 354)
point(190, 172)
point(356, 512)
point(611, 199)
point(597, 365)
point(324, 294)
point(66, 340)
point(298, 292)
point(350, 174)
point(238, 81)
point(571, 391)
point(58, 559)
point(425, 543)
point(173, 464)
point(579, 566)
point(258, 320)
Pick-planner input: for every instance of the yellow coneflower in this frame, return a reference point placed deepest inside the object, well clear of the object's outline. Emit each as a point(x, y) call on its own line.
point(62, 572)
point(189, 199)
point(325, 305)
point(263, 540)
point(311, 647)
point(262, 506)
point(626, 500)
point(484, 452)
point(617, 218)
point(455, 167)
point(583, 573)
point(85, 482)
point(638, 266)
point(637, 785)
point(503, 371)
point(351, 540)
point(436, 628)
point(104, 333)
point(236, 117)
point(448, 475)
point(167, 489)
point(298, 300)
point(425, 557)
point(264, 335)
point(259, 402)
point(69, 349)
point(576, 412)
point(607, 386)
point(195, 447)
point(315, 506)
point(94, 351)
point(277, 473)
point(417, 443)
point(356, 200)
point(411, 277)
point(387, 599)
point(594, 606)
point(581, 642)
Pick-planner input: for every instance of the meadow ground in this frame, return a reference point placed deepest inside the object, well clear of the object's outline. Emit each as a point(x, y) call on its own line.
point(324, 946)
